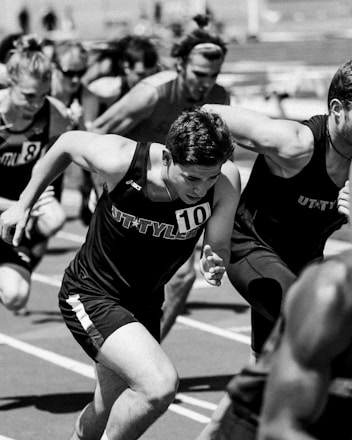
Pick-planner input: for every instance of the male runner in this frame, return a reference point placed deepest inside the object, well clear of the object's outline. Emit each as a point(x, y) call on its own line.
point(157, 202)
point(148, 110)
point(296, 197)
point(301, 386)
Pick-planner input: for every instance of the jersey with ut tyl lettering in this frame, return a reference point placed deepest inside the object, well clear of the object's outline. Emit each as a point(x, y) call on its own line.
point(135, 245)
point(20, 150)
point(294, 216)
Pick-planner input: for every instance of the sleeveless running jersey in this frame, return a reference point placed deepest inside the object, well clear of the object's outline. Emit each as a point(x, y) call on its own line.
point(293, 216)
point(135, 245)
point(171, 103)
point(20, 151)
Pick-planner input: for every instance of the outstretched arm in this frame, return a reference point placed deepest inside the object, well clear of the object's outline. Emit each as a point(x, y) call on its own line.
point(318, 324)
point(127, 112)
point(287, 143)
point(108, 156)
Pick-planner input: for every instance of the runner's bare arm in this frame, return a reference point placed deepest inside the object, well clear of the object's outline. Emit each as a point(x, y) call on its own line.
point(318, 324)
point(282, 140)
point(216, 251)
point(128, 112)
point(108, 156)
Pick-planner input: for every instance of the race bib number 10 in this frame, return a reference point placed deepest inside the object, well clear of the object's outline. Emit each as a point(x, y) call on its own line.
point(193, 217)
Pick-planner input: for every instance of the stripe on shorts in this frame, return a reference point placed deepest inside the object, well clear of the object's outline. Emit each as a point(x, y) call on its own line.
point(77, 306)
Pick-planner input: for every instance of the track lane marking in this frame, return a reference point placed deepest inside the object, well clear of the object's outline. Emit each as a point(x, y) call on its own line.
point(88, 371)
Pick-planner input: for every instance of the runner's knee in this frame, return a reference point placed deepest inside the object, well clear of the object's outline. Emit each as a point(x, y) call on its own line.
point(160, 390)
point(14, 296)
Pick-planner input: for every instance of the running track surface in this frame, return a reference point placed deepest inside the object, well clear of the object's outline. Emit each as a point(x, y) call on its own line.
point(46, 378)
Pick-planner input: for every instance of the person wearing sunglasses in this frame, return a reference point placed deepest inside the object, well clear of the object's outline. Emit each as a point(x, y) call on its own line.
point(71, 60)
point(71, 63)
point(30, 122)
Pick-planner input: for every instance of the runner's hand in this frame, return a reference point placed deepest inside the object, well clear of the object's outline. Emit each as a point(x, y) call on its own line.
point(12, 224)
point(212, 266)
point(343, 200)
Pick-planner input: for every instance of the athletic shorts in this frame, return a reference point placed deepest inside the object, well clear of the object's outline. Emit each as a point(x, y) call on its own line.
point(262, 278)
point(92, 317)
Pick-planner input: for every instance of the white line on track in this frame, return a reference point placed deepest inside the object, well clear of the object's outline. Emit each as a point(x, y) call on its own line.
point(71, 237)
point(5, 438)
point(214, 330)
point(88, 371)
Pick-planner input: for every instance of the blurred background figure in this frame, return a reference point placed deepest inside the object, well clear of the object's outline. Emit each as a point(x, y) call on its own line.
point(134, 58)
point(30, 122)
point(70, 60)
point(6, 44)
point(137, 57)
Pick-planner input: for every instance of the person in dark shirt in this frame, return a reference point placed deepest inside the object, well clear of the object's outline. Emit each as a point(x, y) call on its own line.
point(147, 111)
point(296, 197)
point(156, 203)
point(30, 122)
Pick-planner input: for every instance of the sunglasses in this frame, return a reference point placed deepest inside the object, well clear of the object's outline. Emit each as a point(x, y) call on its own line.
point(73, 73)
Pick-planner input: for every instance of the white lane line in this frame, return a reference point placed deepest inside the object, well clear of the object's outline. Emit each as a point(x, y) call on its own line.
point(88, 371)
point(45, 279)
point(196, 402)
point(189, 413)
point(71, 237)
point(5, 438)
point(49, 356)
point(214, 330)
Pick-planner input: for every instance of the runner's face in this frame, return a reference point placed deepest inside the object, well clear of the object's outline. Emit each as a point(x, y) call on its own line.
point(72, 67)
point(192, 182)
point(199, 76)
point(137, 73)
point(28, 95)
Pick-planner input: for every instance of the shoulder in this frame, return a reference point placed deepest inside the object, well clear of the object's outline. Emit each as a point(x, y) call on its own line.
point(228, 186)
point(60, 120)
point(318, 308)
point(160, 78)
point(106, 87)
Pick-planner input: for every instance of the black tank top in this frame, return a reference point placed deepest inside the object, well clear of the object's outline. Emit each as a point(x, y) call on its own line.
point(293, 216)
point(20, 151)
point(135, 245)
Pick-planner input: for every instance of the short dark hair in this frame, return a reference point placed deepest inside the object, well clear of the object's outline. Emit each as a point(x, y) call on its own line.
point(199, 137)
point(341, 85)
point(136, 48)
point(184, 47)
